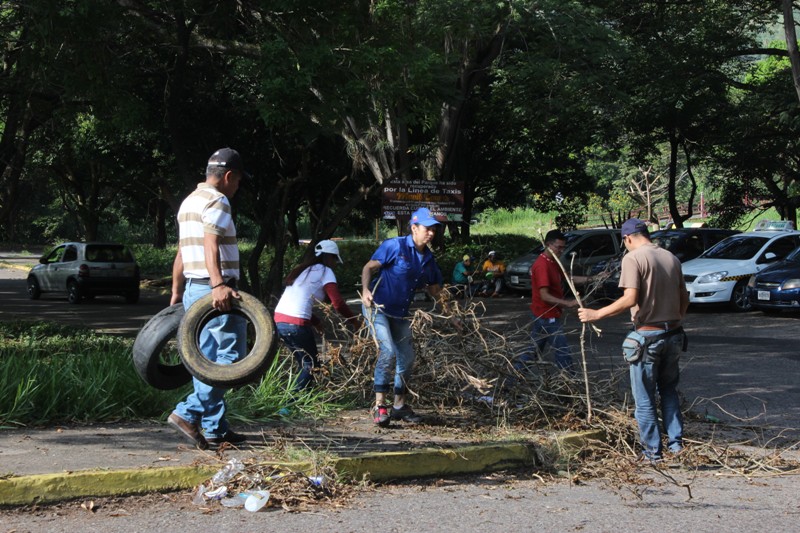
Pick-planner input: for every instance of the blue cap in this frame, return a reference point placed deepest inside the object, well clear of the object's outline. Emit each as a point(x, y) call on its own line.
point(634, 225)
point(423, 216)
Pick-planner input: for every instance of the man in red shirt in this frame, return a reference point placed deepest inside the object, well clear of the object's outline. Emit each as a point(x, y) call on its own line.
point(547, 302)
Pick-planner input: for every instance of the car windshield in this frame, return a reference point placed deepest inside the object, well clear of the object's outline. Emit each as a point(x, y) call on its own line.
point(667, 240)
point(570, 238)
point(794, 256)
point(737, 247)
point(108, 253)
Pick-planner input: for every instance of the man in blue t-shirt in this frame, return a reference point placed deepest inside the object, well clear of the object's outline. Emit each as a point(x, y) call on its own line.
point(403, 265)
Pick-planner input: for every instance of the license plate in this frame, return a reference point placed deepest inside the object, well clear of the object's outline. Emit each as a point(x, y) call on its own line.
point(763, 295)
point(515, 280)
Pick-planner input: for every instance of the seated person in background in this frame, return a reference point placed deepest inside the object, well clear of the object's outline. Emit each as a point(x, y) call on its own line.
point(462, 276)
point(493, 270)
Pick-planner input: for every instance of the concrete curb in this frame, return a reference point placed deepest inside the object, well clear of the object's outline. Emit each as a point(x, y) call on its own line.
point(14, 266)
point(44, 488)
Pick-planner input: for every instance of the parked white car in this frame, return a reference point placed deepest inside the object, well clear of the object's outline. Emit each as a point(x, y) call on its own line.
point(720, 275)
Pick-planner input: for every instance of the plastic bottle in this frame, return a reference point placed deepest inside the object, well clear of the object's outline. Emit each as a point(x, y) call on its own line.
point(228, 472)
point(235, 501)
point(198, 497)
point(256, 500)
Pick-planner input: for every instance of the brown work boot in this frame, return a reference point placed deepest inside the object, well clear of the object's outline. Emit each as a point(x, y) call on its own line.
point(188, 430)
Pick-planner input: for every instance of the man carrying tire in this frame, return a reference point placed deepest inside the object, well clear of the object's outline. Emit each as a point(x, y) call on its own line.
point(208, 262)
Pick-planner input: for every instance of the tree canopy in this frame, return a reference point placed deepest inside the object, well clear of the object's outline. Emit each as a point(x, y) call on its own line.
point(109, 110)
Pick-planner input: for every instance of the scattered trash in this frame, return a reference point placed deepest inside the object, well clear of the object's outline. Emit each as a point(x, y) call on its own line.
point(488, 400)
point(228, 472)
point(317, 481)
point(712, 418)
point(235, 501)
point(198, 498)
point(216, 494)
point(256, 501)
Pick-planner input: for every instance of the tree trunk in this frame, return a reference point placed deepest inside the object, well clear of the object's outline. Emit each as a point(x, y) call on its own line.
point(791, 43)
point(672, 199)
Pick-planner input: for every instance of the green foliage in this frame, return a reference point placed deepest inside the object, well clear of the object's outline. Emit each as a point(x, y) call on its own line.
point(154, 263)
point(51, 373)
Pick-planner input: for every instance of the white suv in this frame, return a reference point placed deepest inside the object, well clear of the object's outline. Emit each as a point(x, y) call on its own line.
point(721, 274)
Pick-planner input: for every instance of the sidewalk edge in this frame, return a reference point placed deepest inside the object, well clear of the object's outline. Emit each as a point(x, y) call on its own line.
point(48, 488)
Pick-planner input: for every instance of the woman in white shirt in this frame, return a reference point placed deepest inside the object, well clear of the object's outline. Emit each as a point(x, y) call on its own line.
point(310, 282)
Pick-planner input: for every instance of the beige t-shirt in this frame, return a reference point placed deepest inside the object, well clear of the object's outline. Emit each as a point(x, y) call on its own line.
point(657, 274)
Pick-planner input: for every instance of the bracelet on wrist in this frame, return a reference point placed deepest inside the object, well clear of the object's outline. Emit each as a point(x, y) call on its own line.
point(218, 285)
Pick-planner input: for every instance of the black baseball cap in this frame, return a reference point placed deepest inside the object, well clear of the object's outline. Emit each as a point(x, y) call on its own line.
point(229, 159)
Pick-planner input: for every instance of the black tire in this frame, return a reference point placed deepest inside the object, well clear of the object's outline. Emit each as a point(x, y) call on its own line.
point(740, 301)
point(249, 368)
point(150, 342)
point(74, 294)
point(34, 290)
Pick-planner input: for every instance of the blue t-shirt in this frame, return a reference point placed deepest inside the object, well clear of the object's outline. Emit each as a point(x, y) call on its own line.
point(403, 271)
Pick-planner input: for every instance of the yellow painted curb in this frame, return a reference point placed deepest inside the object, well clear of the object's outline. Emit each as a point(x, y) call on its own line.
point(437, 462)
point(24, 490)
point(14, 266)
point(54, 487)
point(576, 441)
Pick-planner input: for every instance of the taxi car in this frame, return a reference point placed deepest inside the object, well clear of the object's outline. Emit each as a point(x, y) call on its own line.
point(721, 274)
point(84, 270)
point(777, 287)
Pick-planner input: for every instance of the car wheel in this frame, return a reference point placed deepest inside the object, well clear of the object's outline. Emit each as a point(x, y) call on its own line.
point(74, 292)
point(740, 300)
point(34, 290)
point(151, 357)
point(132, 297)
point(247, 369)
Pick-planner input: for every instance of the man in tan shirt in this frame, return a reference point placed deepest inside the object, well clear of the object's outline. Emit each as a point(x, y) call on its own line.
point(655, 292)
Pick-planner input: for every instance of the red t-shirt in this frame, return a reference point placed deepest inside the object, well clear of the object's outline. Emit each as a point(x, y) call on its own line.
point(545, 272)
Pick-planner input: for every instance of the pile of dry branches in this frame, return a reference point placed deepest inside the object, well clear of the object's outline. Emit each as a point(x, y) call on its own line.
point(470, 368)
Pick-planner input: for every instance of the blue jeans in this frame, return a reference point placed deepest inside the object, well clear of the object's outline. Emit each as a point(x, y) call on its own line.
point(395, 348)
point(658, 371)
point(223, 340)
point(543, 332)
point(300, 340)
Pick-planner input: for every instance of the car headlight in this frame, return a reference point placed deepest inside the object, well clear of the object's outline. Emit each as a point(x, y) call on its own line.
point(793, 283)
point(751, 282)
point(712, 277)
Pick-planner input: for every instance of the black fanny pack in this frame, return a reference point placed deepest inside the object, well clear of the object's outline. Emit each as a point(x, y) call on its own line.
point(634, 347)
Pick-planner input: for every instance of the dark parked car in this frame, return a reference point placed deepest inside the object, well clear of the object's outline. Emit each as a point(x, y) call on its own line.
point(688, 243)
point(589, 247)
point(84, 270)
point(685, 243)
point(777, 287)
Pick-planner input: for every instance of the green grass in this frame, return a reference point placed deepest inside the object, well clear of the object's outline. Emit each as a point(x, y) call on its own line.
point(521, 221)
point(59, 374)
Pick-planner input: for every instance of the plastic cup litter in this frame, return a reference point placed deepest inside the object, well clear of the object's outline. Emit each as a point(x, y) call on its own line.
point(256, 501)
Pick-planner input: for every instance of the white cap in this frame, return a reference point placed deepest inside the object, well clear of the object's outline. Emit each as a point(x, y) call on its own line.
point(327, 247)
point(492, 253)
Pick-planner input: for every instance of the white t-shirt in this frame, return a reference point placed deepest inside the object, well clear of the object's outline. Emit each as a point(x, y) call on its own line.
point(298, 299)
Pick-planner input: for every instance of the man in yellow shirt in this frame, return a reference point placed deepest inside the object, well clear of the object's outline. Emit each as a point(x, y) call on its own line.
point(493, 270)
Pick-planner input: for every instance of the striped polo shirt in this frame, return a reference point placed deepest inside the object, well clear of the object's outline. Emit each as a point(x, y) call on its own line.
point(206, 210)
